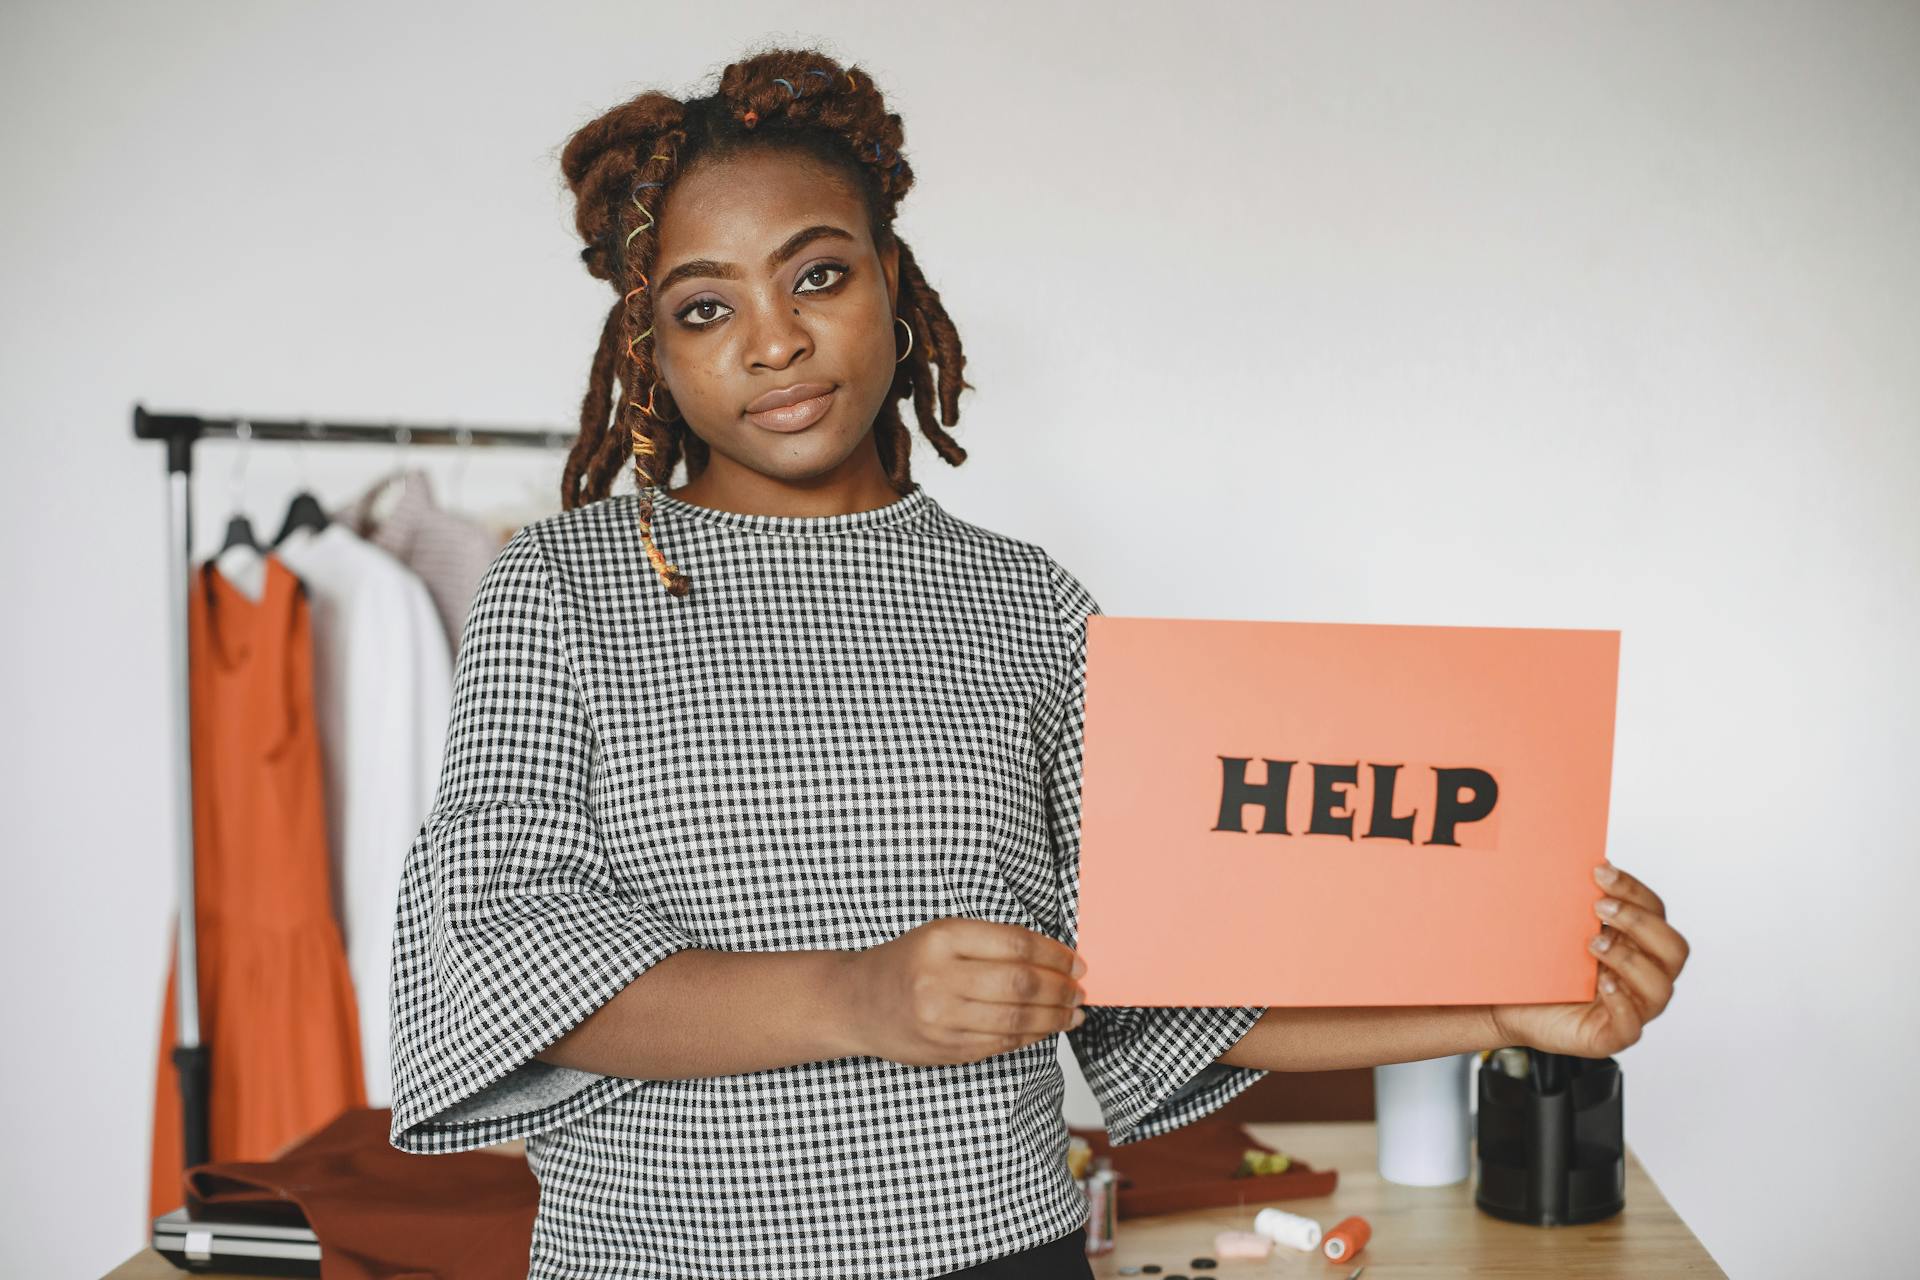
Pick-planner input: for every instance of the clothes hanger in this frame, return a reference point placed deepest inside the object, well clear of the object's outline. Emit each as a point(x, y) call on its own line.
point(378, 501)
point(239, 527)
point(305, 511)
point(463, 454)
point(241, 560)
point(240, 534)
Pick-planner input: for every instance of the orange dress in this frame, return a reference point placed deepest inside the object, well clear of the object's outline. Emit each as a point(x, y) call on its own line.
point(277, 1007)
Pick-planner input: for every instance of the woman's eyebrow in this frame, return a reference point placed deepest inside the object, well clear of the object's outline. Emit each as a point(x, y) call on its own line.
point(727, 271)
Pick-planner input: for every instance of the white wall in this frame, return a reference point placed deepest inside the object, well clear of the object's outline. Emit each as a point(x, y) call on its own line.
point(1586, 315)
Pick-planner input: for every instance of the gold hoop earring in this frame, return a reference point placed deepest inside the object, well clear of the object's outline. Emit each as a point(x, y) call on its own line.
point(904, 354)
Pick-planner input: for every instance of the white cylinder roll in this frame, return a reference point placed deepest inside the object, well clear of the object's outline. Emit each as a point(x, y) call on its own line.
point(1289, 1229)
point(1423, 1120)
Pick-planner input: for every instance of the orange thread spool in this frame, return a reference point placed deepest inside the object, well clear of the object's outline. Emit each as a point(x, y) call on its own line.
point(1347, 1238)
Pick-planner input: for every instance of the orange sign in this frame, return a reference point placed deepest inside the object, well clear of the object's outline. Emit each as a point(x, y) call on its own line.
point(1298, 813)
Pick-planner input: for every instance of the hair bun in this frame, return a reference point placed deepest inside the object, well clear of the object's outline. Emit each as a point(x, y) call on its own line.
point(601, 163)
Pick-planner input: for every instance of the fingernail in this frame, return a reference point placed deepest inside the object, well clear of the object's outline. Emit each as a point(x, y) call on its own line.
point(1079, 1016)
point(1605, 873)
point(1079, 996)
point(1079, 966)
point(1601, 942)
point(1607, 983)
point(1607, 907)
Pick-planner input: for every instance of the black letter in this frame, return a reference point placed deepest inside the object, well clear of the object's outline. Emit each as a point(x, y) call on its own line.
point(1385, 825)
point(1448, 811)
point(1271, 795)
point(1325, 821)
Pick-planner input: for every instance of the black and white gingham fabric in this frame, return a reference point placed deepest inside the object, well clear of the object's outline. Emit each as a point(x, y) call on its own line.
point(852, 725)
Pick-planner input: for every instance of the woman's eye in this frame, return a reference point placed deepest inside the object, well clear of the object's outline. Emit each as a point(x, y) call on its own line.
point(816, 269)
point(704, 306)
point(686, 311)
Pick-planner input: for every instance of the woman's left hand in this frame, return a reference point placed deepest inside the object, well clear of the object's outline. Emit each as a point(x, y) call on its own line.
point(1640, 955)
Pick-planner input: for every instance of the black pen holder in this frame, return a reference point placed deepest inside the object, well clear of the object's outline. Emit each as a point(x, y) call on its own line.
point(1552, 1158)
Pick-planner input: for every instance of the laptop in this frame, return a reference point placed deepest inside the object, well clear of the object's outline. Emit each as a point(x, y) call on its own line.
point(244, 1248)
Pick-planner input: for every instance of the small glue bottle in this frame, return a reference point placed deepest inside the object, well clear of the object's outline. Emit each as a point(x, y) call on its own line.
point(1103, 1202)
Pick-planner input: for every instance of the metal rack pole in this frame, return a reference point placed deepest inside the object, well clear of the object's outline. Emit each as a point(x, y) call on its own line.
point(190, 1053)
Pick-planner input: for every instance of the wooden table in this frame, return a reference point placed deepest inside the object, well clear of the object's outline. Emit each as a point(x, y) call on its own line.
point(1417, 1231)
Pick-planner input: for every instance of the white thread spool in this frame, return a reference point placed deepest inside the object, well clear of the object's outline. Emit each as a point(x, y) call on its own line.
point(1289, 1229)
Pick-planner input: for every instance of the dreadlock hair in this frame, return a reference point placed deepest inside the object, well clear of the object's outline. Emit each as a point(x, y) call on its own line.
point(620, 167)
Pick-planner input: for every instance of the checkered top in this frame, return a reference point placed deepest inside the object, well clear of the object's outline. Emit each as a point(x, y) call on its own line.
point(852, 725)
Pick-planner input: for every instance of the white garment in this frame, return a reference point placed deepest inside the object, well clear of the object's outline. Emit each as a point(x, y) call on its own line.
point(383, 685)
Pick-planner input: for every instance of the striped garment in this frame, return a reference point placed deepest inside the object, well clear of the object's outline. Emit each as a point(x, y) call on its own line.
point(448, 551)
point(852, 725)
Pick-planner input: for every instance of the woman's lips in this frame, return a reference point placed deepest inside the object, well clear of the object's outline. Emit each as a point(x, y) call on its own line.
point(794, 417)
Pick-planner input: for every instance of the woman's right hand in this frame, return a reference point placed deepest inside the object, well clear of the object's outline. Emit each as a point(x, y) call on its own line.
point(955, 990)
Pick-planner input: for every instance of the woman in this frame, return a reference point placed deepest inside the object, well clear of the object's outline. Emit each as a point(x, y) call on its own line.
point(749, 894)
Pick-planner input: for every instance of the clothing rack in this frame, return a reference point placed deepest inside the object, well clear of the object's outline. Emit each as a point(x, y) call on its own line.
point(181, 431)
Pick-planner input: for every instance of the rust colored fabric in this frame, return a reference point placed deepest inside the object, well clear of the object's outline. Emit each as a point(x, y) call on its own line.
point(1192, 1168)
point(379, 1213)
point(277, 1008)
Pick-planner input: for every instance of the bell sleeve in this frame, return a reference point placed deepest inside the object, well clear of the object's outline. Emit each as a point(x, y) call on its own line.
point(510, 926)
point(1152, 1069)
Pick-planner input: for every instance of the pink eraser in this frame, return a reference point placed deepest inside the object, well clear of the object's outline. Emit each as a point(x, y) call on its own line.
point(1241, 1244)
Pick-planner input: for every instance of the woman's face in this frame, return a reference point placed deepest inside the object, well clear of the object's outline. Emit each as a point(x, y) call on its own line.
point(768, 279)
